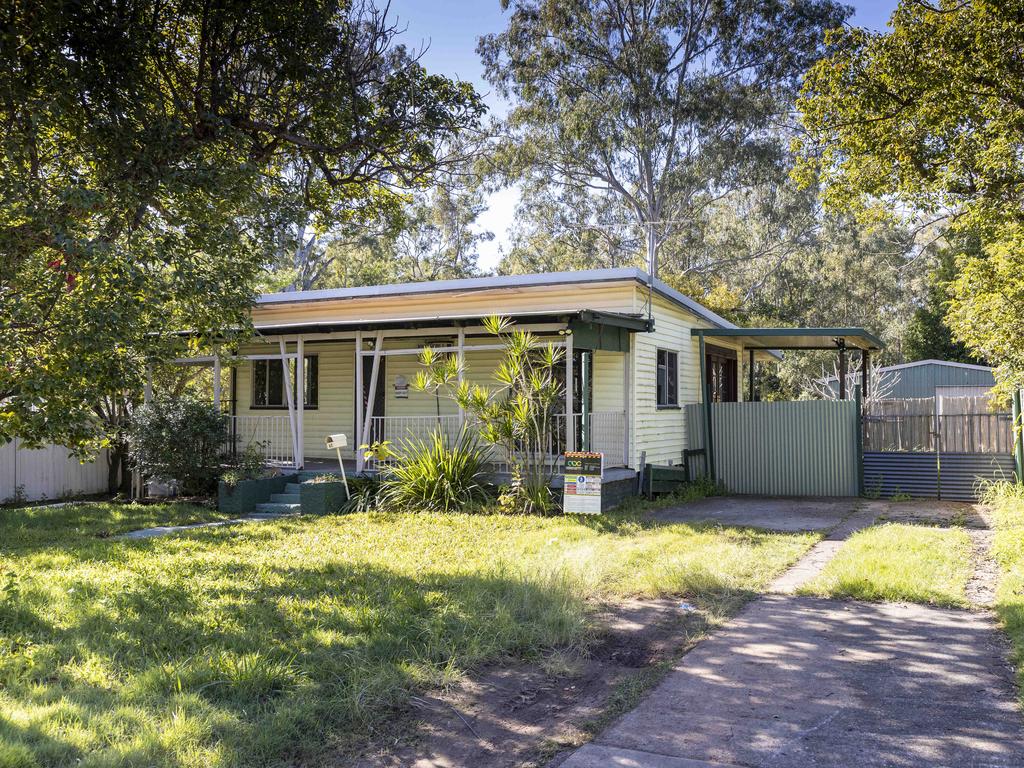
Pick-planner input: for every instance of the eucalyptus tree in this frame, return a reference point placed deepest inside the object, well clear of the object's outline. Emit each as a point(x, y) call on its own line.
point(668, 105)
point(928, 119)
point(144, 152)
point(560, 228)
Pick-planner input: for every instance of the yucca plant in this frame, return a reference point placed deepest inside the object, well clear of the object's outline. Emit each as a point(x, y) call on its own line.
point(518, 415)
point(434, 475)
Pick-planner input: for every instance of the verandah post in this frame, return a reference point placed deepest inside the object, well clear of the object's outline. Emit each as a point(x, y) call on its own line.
point(751, 391)
point(842, 370)
point(300, 402)
point(289, 396)
point(570, 420)
point(584, 402)
point(359, 402)
point(709, 442)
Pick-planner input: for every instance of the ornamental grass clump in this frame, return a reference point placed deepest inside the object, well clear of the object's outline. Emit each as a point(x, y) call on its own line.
point(435, 476)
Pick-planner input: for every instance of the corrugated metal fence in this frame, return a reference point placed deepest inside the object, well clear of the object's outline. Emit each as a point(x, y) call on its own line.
point(962, 475)
point(47, 473)
point(947, 448)
point(803, 448)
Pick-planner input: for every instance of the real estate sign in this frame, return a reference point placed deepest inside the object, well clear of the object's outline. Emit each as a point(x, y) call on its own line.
point(581, 489)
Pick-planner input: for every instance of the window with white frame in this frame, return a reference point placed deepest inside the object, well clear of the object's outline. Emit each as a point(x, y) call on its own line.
point(668, 379)
point(268, 389)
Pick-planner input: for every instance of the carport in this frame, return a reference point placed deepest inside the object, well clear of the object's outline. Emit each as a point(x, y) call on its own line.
point(746, 422)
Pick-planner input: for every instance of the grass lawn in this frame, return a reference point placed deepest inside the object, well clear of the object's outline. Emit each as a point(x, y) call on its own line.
point(273, 643)
point(896, 562)
point(80, 523)
point(1007, 505)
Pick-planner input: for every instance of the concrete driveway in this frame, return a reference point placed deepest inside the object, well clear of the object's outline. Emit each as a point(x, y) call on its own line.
point(777, 514)
point(801, 682)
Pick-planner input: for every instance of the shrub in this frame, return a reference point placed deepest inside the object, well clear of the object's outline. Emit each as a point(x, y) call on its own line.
point(518, 415)
point(364, 495)
point(180, 439)
point(248, 465)
point(432, 475)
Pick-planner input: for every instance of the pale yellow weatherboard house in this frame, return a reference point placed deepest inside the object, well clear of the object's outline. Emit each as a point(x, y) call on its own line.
point(630, 357)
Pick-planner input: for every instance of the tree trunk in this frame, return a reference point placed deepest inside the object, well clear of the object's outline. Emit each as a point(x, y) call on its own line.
point(118, 472)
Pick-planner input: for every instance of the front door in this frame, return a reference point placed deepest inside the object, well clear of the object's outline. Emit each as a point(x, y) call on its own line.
point(723, 374)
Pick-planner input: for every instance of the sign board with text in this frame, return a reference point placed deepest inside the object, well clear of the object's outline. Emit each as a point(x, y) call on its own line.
point(581, 489)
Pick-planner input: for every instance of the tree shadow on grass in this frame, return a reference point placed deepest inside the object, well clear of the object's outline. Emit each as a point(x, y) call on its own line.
point(283, 664)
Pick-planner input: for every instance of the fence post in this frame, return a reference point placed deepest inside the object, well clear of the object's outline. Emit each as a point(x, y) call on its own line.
point(1018, 434)
point(859, 405)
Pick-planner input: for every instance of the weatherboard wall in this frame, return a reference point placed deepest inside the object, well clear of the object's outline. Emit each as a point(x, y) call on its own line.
point(661, 432)
point(336, 362)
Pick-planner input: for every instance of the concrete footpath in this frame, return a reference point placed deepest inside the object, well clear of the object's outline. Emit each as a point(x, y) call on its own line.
point(806, 681)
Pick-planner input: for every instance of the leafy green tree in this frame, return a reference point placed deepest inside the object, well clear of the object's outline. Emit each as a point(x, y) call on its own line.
point(929, 118)
point(146, 154)
point(929, 336)
point(564, 229)
point(665, 106)
point(987, 304)
point(435, 235)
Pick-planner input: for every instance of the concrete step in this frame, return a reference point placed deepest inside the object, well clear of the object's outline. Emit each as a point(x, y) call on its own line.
point(277, 507)
point(292, 488)
point(285, 498)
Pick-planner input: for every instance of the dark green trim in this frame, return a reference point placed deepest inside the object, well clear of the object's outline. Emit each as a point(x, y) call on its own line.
point(860, 440)
point(615, 319)
point(596, 336)
point(1018, 434)
point(705, 388)
point(851, 335)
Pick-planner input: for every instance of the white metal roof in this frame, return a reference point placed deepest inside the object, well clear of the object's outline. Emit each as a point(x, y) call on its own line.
point(498, 281)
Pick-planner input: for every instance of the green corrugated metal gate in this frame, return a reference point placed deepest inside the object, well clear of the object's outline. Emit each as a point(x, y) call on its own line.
point(803, 448)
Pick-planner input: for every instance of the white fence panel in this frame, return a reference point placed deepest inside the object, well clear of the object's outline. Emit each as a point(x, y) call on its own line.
point(607, 435)
point(48, 473)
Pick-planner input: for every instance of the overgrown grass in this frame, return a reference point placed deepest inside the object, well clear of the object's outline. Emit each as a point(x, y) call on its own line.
point(1006, 504)
point(273, 644)
point(896, 562)
point(78, 523)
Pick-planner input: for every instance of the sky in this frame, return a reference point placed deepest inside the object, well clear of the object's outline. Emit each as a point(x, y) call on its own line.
point(449, 29)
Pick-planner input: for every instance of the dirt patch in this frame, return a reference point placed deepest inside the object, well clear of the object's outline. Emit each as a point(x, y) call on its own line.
point(524, 714)
point(981, 588)
point(930, 512)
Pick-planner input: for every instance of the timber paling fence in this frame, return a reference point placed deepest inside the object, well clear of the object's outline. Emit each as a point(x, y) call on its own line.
point(946, 447)
point(798, 448)
point(950, 424)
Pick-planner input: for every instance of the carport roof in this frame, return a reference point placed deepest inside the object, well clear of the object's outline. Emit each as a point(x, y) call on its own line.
point(795, 338)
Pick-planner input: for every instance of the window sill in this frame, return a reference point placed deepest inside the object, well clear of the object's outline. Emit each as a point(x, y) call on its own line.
point(670, 408)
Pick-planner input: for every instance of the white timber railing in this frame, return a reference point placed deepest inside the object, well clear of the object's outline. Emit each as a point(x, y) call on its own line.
point(271, 434)
point(607, 435)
